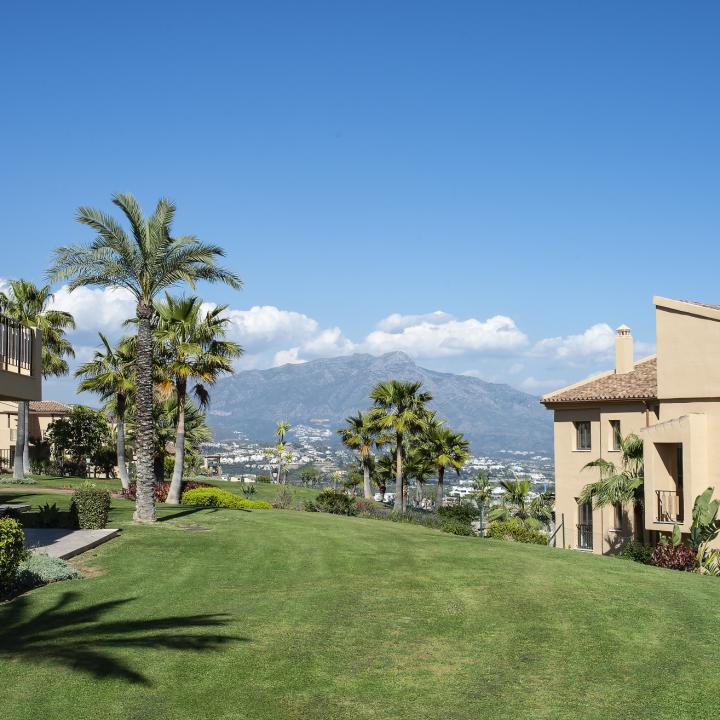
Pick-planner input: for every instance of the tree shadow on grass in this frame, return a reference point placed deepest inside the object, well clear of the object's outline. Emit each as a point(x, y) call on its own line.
point(80, 638)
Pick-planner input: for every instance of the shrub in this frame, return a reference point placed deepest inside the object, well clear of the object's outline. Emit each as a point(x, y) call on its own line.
point(263, 479)
point(334, 502)
point(91, 506)
point(218, 498)
point(637, 552)
point(163, 488)
point(40, 569)
point(362, 505)
point(12, 551)
point(674, 557)
point(456, 527)
point(309, 506)
point(515, 529)
point(463, 511)
point(284, 498)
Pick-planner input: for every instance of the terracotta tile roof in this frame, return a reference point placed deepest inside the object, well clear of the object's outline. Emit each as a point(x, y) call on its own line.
point(639, 384)
point(50, 407)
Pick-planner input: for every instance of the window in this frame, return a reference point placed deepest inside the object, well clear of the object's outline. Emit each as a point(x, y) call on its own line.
point(582, 435)
point(615, 435)
point(585, 526)
point(617, 516)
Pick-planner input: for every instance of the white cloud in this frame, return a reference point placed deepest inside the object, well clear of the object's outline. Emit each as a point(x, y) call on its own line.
point(96, 309)
point(263, 326)
point(597, 341)
point(446, 336)
point(397, 322)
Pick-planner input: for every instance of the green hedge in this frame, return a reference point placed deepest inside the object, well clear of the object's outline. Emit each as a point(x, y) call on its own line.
point(219, 498)
point(91, 506)
point(515, 529)
point(12, 551)
point(456, 527)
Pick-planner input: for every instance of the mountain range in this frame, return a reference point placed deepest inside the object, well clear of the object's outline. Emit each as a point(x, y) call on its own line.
point(324, 392)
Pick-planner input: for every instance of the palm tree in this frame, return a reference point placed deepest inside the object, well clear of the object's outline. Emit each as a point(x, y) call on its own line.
point(145, 263)
point(281, 429)
point(403, 411)
point(360, 434)
point(515, 500)
point(191, 348)
point(444, 448)
point(482, 493)
point(111, 375)
point(418, 467)
point(28, 304)
point(618, 484)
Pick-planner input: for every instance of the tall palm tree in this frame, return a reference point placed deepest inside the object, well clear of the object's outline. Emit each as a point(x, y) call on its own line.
point(191, 348)
point(28, 305)
point(403, 411)
point(621, 483)
point(360, 433)
point(444, 448)
point(111, 375)
point(145, 263)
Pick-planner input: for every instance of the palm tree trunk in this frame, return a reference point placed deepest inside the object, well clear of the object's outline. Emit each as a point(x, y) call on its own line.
point(122, 464)
point(18, 468)
point(144, 440)
point(418, 492)
point(440, 485)
point(367, 489)
point(173, 497)
point(399, 505)
point(26, 444)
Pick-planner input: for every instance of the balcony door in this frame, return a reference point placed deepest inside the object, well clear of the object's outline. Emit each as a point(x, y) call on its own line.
point(585, 526)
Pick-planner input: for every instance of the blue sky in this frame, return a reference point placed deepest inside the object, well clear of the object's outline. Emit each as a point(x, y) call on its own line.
point(504, 179)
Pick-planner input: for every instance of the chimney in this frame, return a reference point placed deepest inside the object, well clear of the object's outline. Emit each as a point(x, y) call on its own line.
point(623, 350)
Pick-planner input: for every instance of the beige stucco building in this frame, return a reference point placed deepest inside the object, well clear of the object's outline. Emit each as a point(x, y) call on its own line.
point(672, 401)
point(20, 373)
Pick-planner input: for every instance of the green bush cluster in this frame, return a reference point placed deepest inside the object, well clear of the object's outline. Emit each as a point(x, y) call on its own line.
point(219, 498)
point(637, 552)
point(456, 527)
point(38, 569)
point(515, 529)
point(91, 506)
point(12, 551)
point(332, 501)
point(462, 511)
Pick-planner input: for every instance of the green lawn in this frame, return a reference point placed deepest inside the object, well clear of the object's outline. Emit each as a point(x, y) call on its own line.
point(270, 614)
point(263, 491)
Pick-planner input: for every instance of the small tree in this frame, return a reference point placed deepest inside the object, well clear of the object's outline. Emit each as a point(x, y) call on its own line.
point(80, 436)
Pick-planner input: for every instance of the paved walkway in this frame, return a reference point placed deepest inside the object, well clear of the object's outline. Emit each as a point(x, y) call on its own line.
point(65, 543)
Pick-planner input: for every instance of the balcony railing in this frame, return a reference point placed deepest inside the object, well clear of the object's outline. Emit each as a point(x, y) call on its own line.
point(585, 537)
point(16, 346)
point(669, 506)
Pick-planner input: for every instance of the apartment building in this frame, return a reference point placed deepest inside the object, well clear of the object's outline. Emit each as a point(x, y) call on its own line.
point(20, 370)
point(671, 400)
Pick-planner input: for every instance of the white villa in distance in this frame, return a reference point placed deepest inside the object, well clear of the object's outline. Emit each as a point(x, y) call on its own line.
point(672, 401)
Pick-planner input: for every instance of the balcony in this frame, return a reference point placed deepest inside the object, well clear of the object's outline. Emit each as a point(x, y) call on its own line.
point(669, 507)
point(19, 361)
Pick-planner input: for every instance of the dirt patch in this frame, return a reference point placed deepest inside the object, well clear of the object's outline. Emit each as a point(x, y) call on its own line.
point(85, 565)
point(192, 527)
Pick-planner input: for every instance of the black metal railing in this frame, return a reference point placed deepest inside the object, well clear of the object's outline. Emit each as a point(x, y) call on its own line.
point(669, 506)
point(16, 346)
point(585, 536)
